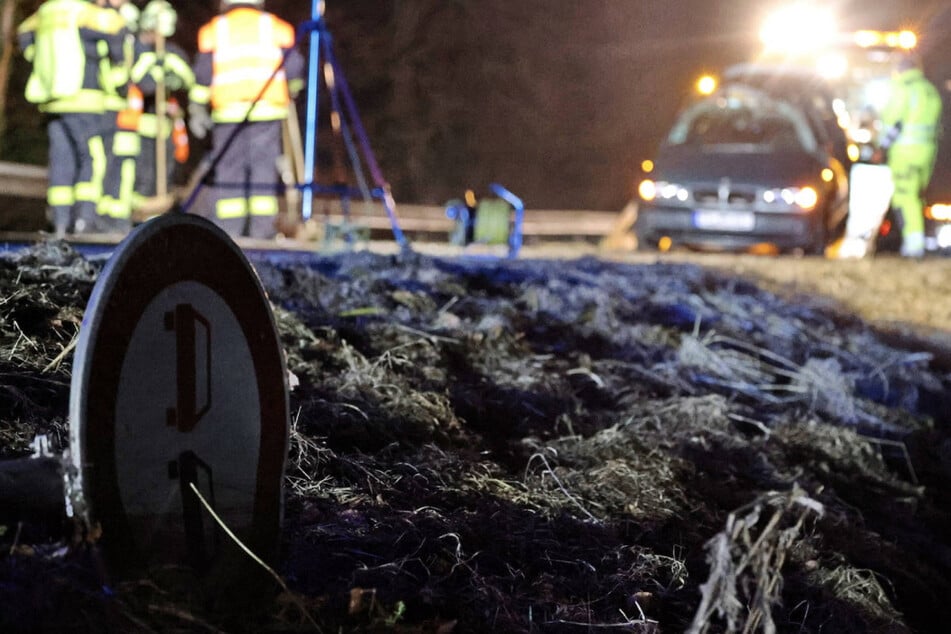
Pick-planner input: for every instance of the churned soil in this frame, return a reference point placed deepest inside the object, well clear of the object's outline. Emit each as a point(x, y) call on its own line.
point(597, 442)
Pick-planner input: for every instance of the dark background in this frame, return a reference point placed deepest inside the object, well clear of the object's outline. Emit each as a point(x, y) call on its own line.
point(559, 100)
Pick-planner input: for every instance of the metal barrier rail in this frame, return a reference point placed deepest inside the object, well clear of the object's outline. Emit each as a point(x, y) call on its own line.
point(23, 181)
point(550, 223)
point(29, 181)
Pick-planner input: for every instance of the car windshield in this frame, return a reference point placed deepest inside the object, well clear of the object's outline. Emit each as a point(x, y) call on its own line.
point(741, 122)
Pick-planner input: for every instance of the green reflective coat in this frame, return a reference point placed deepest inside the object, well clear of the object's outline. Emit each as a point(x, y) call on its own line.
point(65, 41)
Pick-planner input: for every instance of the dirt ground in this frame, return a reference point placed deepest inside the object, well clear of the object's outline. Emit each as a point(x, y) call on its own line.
point(603, 442)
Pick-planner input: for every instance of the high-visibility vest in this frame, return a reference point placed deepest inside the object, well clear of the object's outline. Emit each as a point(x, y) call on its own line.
point(247, 47)
point(58, 80)
point(915, 105)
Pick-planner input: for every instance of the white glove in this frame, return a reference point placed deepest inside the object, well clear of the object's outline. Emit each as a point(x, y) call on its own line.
point(199, 121)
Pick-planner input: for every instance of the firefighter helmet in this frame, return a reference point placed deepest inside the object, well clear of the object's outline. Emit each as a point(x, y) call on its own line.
point(130, 13)
point(160, 17)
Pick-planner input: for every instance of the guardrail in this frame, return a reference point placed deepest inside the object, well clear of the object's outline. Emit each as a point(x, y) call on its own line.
point(22, 181)
point(29, 181)
point(548, 223)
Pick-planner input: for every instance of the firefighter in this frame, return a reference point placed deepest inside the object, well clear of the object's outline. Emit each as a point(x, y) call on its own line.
point(247, 69)
point(66, 42)
point(910, 124)
point(160, 62)
point(120, 138)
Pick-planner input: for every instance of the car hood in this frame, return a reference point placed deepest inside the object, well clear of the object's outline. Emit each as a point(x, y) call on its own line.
point(685, 164)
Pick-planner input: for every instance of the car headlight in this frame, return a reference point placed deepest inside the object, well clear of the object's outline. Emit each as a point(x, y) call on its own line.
point(939, 212)
point(663, 190)
point(806, 198)
point(647, 190)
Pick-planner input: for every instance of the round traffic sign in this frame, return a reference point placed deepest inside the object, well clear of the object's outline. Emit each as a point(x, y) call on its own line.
point(179, 385)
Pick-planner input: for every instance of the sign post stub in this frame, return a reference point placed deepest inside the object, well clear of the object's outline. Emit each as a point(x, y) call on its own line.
point(179, 384)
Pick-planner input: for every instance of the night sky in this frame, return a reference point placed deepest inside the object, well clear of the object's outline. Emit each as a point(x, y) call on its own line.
point(559, 100)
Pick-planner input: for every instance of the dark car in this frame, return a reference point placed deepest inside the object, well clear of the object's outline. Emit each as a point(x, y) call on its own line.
point(743, 167)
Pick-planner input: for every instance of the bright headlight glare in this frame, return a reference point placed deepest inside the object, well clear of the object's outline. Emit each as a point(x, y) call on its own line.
point(667, 190)
point(940, 212)
point(832, 66)
point(647, 190)
point(803, 197)
point(807, 197)
point(907, 40)
point(944, 237)
point(798, 27)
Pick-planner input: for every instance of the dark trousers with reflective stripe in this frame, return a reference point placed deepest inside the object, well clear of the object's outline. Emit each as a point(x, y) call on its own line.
point(246, 177)
point(76, 166)
point(122, 151)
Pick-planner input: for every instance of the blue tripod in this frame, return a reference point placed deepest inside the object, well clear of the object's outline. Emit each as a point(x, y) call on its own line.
point(346, 121)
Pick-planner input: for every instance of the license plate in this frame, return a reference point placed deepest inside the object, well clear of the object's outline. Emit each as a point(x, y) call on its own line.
point(724, 220)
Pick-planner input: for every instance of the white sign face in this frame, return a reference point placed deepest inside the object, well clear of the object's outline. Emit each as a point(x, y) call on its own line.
point(221, 421)
point(179, 384)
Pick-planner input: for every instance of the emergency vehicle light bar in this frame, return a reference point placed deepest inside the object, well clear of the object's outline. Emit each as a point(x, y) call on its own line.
point(891, 39)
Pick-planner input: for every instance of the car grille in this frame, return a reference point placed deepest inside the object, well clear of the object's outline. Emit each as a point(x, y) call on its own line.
point(739, 196)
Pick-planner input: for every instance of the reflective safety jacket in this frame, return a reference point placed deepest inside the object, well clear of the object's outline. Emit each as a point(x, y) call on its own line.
point(913, 112)
point(246, 57)
point(173, 70)
point(114, 75)
point(65, 41)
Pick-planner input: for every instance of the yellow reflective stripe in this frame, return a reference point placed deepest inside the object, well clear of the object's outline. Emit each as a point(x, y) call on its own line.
point(236, 112)
point(142, 65)
point(127, 186)
point(126, 144)
point(263, 205)
point(28, 24)
point(243, 73)
point(108, 206)
point(149, 126)
point(178, 66)
point(60, 195)
point(107, 21)
point(92, 190)
point(86, 100)
point(114, 103)
point(228, 208)
point(88, 192)
point(200, 94)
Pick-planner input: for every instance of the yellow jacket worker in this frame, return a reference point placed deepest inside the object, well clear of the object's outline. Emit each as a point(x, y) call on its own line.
point(246, 70)
point(910, 120)
point(67, 42)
